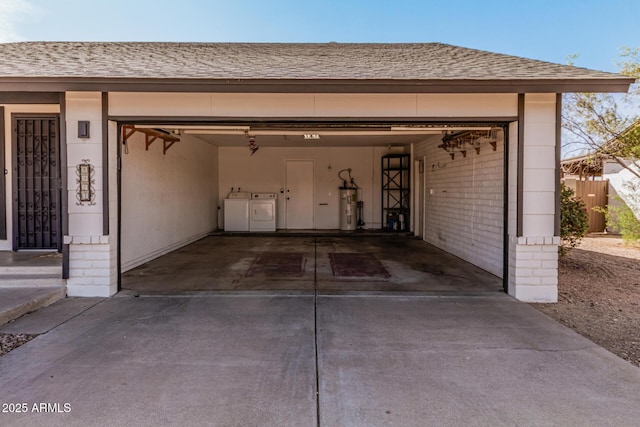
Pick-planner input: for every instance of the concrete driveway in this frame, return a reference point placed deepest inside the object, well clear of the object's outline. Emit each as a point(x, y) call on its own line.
point(294, 360)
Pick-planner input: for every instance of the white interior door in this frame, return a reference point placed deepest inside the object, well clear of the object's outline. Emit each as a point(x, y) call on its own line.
point(299, 194)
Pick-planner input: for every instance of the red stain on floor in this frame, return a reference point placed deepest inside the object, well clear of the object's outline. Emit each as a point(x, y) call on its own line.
point(357, 265)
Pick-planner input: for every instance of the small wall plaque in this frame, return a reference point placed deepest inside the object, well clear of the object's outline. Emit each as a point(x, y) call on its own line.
point(85, 192)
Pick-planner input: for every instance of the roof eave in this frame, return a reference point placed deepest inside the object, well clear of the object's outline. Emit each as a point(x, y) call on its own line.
point(53, 84)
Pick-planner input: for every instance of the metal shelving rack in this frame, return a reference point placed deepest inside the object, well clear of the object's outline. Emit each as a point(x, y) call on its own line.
point(395, 192)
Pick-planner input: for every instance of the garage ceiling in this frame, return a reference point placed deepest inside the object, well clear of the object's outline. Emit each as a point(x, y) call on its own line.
point(296, 141)
point(321, 136)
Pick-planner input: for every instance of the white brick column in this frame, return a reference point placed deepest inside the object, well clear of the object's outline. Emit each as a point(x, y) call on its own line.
point(92, 260)
point(533, 250)
point(533, 272)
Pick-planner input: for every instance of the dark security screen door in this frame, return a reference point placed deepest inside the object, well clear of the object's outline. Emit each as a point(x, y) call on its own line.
point(36, 179)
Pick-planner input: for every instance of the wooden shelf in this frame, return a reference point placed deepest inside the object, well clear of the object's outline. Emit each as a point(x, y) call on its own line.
point(150, 136)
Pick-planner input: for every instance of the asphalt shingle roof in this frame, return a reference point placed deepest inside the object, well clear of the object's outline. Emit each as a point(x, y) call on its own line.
point(281, 61)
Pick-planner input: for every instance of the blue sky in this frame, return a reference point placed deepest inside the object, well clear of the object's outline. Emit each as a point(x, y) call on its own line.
point(546, 30)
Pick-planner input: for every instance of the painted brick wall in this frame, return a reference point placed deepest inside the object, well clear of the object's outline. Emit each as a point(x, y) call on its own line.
point(464, 203)
point(533, 272)
point(92, 255)
point(533, 257)
point(93, 258)
point(91, 267)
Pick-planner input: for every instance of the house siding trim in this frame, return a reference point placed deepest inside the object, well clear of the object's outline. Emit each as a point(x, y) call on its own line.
point(557, 225)
point(520, 161)
point(118, 248)
point(3, 179)
point(29, 97)
point(64, 197)
point(505, 218)
point(93, 84)
point(105, 163)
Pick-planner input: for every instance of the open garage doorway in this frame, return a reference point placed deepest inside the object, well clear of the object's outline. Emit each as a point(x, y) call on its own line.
point(176, 178)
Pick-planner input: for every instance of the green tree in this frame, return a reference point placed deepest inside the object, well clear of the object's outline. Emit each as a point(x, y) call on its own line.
point(630, 63)
point(606, 125)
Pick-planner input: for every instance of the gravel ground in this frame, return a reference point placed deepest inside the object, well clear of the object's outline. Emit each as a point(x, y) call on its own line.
point(599, 294)
point(10, 341)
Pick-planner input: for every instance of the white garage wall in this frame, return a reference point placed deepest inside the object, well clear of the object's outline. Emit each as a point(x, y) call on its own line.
point(168, 200)
point(464, 203)
point(265, 172)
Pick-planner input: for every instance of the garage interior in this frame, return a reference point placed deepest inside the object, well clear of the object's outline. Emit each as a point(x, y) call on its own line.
point(176, 179)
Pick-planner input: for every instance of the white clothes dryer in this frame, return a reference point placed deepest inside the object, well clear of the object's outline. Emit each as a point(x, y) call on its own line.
point(262, 212)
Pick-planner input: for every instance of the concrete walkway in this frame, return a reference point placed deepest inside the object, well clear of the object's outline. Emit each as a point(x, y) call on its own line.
point(251, 361)
point(29, 280)
point(17, 301)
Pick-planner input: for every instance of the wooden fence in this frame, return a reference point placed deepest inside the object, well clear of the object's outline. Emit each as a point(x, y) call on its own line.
point(592, 193)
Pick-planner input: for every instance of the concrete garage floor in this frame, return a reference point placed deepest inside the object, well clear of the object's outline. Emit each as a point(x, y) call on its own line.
point(304, 263)
point(336, 360)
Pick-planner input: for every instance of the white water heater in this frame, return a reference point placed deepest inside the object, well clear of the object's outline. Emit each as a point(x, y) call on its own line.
point(348, 208)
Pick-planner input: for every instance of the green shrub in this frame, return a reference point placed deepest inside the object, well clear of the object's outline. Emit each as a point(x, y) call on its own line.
point(574, 221)
point(627, 223)
point(622, 219)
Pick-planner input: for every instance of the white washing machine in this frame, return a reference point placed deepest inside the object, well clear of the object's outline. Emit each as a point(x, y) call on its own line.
point(236, 211)
point(262, 212)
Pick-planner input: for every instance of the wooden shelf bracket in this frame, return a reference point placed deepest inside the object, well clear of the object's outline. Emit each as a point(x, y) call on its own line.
point(150, 136)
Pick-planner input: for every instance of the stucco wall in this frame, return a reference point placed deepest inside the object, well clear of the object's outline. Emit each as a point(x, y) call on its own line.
point(167, 200)
point(464, 203)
